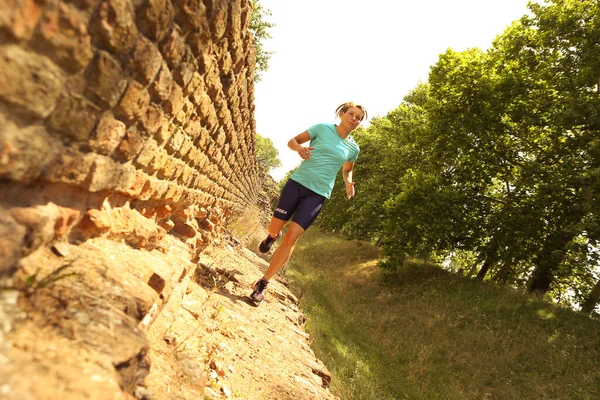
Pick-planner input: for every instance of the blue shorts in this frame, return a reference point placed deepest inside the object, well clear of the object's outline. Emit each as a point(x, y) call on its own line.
point(299, 201)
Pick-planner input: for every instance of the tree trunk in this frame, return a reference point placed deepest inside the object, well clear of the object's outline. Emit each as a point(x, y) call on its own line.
point(590, 303)
point(503, 273)
point(547, 261)
point(484, 269)
point(542, 278)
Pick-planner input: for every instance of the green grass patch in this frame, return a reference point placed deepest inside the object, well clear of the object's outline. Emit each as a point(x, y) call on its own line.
point(423, 333)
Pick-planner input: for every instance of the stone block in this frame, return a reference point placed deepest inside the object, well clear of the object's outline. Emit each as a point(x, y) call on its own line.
point(225, 149)
point(12, 237)
point(217, 157)
point(237, 57)
point(190, 156)
point(226, 64)
point(185, 147)
point(219, 18)
point(186, 176)
point(157, 189)
point(105, 83)
point(173, 193)
point(181, 116)
point(164, 132)
point(212, 79)
point(75, 116)
point(63, 36)
point(145, 61)
point(113, 26)
point(200, 161)
point(184, 72)
point(174, 104)
point(24, 152)
point(40, 222)
point(234, 28)
point(173, 48)
point(196, 85)
point(69, 166)
point(19, 18)
point(200, 43)
point(203, 182)
point(193, 128)
point(204, 104)
point(152, 119)
point(108, 174)
point(168, 169)
point(108, 135)
point(95, 222)
point(174, 144)
point(66, 219)
point(130, 146)
point(162, 86)
point(148, 153)
point(212, 121)
point(154, 18)
point(157, 163)
point(30, 81)
point(191, 182)
point(179, 167)
point(133, 104)
point(136, 184)
point(190, 14)
point(219, 137)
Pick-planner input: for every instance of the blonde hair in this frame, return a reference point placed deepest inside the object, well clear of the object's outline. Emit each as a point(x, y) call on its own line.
point(346, 106)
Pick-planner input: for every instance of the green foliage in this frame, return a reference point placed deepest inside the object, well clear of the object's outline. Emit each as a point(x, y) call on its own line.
point(33, 282)
point(266, 153)
point(286, 178)
point(497, 156)
point(259, 26)
point(424, 333)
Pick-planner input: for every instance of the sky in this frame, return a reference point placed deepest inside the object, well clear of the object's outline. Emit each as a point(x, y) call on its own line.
point(327, 52)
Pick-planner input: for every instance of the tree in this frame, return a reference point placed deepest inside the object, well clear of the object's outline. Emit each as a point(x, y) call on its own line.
point(259, 26)
point(593, 299)
point(266, 153)
point(498, 156)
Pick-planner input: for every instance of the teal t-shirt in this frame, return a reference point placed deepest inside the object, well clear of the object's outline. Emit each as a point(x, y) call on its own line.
point(329, 154)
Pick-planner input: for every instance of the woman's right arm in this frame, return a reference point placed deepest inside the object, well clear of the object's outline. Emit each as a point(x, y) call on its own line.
point(296, 144)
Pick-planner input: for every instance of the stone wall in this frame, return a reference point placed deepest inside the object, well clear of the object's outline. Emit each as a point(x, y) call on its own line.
point(123, 118)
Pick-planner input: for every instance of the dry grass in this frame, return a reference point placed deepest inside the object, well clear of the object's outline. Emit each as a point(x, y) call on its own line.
point(249, 227)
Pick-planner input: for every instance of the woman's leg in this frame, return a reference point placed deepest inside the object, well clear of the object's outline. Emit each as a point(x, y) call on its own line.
point(285, 249)
point(275, 226)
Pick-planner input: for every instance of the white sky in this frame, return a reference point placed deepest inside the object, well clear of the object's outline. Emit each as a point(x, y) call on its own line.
point(371, 52)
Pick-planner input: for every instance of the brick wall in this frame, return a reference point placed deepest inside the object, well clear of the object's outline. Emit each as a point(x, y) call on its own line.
point(123, 118)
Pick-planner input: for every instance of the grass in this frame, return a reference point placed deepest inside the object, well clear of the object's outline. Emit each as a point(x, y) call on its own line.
point(424, 333)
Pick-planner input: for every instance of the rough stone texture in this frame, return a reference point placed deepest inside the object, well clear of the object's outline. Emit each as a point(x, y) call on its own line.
point(29, 82)
point(154, 324)
point(122, 120)
point(141, 84)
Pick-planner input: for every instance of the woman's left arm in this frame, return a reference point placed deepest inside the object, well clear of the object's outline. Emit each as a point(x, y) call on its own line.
point(347, 174)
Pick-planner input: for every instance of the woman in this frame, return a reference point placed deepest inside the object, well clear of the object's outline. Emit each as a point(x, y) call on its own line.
point(331, 147)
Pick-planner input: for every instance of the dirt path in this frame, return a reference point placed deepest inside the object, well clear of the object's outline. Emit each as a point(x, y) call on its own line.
point(100, 335)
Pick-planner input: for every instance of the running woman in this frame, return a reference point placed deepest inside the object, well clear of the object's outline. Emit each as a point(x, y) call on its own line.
point(331, 148)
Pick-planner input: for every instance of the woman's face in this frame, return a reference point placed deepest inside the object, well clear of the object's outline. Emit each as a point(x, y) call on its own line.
point(352, 117)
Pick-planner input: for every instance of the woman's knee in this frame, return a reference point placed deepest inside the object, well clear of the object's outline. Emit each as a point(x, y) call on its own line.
point(293, 233)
